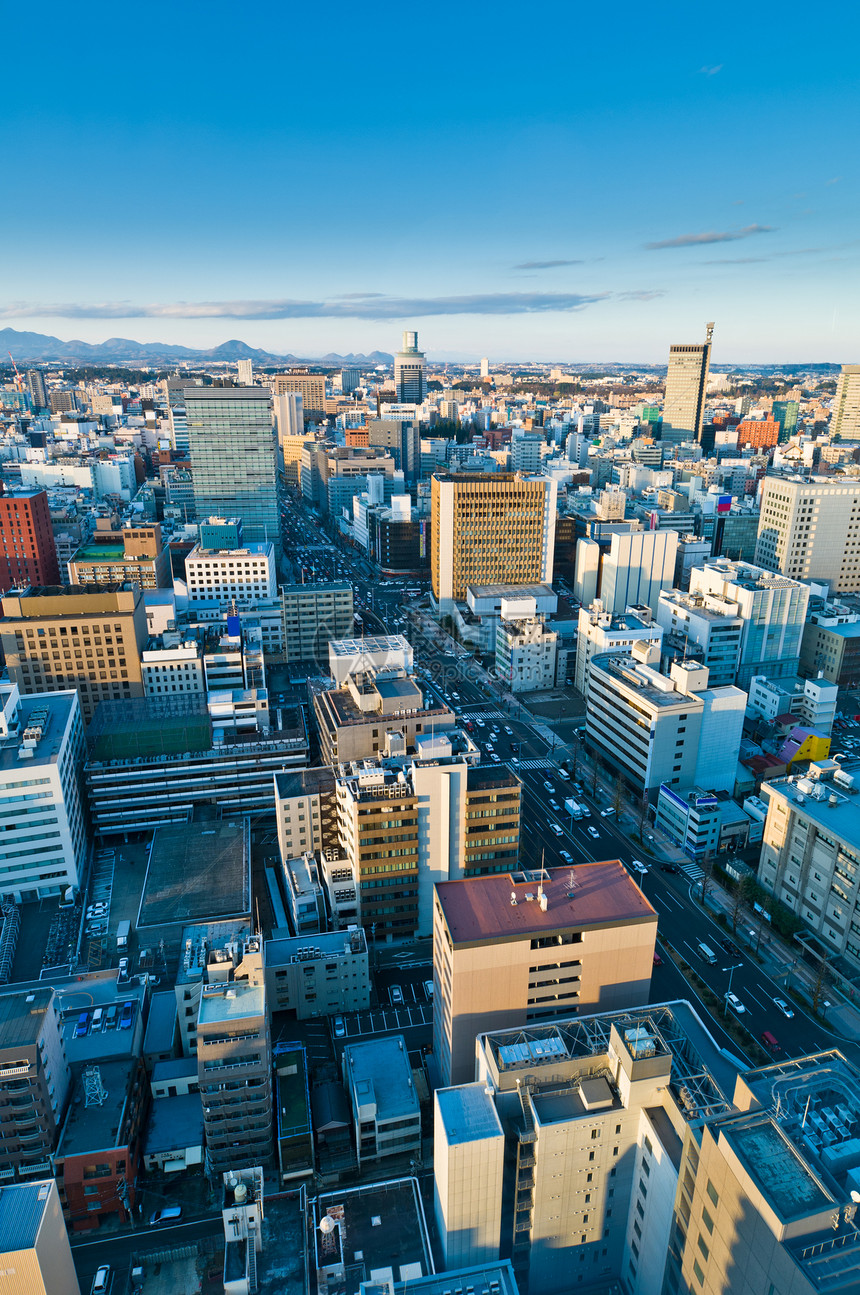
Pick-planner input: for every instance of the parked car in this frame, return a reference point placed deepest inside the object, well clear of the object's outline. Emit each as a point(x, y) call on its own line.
point(784, 1007)
point(735, 1002)
point(169, 1214)
point(338, 1026)
point(122, 969)
point(83, 1024)
point(126, 1016)
point(396, 995)
point(101, 1281)
point(428, 990)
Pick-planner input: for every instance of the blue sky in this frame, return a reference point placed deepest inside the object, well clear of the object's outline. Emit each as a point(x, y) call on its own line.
point(552, 181)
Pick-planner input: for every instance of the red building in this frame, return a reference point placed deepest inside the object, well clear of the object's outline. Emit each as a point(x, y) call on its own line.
point(761, 433)
point(28, 554)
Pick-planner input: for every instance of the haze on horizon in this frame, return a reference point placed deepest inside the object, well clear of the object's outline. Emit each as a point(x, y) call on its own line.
point(556, 190)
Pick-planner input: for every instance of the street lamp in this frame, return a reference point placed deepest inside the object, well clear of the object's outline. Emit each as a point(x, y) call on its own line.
point(731, 970)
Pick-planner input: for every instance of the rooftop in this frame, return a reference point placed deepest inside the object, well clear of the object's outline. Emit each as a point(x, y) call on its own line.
point(774, 1164)
point(22, 1015)
point(512, 591)
point(22, 1207)
point(812, 799)
point(468, 1112)
point(481, 908)
point(98, 1128)
point(197, 872)
point(630, 673)
point(496, 1276)
point(380, 1071)
point(174, 1123)
point(234, 1000)
point(358, 647)
point(310, 948)
point(304, 782)
point(380, 1229)
point(49, 711)
point(206, 943)
point(161, 1025)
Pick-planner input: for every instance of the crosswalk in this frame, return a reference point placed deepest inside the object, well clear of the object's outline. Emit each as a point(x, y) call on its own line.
point(536, 764)
point(483, 714)
point(693, 871)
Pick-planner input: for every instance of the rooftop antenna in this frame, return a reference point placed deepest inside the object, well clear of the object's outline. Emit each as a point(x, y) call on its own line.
point(571, 883)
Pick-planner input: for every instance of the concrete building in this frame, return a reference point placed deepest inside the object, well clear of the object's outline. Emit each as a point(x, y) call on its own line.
point(409, 372)
point(305, 811)
point(686, 385)
point(220, 533)
point(831, 645)
point(314, 615)
point(35, 1254)
point(527, 451)
point(34, 1081)
point(402, 438)
point(237, 578)
point(712, 623)
point(526, 652)
point(691, 819)
point(318, 975)
point(638, 566)
point(772, 607)
point(654, 728)
point(233, 1040)
point(171, 665)
point(377, 1076)
point(845, 419)
point(810, 857)
point(600, 631)
point(43, 847)
point(28, 552)
point(290, 454)
point(809, 529)
point(89, 638)
point(531, 947)
point(134, 555)
point(304, 893)
point(812, 701)
point(490, 528)
point(233, 458)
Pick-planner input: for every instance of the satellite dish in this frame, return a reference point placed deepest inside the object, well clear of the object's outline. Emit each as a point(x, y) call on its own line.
point(327, 1224)
point(855, 1196)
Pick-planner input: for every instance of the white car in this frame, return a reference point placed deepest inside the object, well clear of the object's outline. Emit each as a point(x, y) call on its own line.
point(735, 1002)
point(568, 858)
point(638, 866)
point(784, 1007)
point(548, 786)
point(592, 831)
point(555, 828)
point(497, 758)
point(509, 731)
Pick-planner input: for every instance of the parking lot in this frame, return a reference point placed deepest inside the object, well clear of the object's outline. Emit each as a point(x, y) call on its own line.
point(388, 1020)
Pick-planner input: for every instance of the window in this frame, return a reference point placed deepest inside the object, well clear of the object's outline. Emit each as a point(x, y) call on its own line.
point(712, 1192)
point(703, 1247)
point(700, 1276)
point(707, 1220)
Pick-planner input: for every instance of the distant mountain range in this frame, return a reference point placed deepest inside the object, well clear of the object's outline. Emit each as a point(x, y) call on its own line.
point(40, 347)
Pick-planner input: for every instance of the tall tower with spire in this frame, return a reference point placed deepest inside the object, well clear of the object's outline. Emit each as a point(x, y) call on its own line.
point(409, 367)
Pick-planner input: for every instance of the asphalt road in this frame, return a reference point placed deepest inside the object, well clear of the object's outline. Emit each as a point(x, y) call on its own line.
point(109, 1248)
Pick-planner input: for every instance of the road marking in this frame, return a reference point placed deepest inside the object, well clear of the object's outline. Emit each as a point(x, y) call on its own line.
point(751, 995)
point(674, 899)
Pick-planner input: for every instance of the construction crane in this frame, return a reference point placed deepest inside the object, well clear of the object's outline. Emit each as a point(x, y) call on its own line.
point(19, 381)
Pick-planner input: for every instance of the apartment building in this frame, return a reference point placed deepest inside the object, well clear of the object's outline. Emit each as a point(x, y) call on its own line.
point(809, 529)
point(313, 616)
point(378, 834)
point(712, 623)
point(526, 653)
point(170, 664)
point(318, 975)
point(377, 1076)
point(304, 893)
point(810, 856)
point(533, 946)
point(34, 1082)
point(490, 528)
point(655, 728)
point(310, 386)
point(28, 553)
point(43, 846)
point(133, 555)
point(600, 631)
point(84, 637)
point(637, 568)
point(845, 419)
point(237, 578)
point(305, 811)
point(34, 1243)
point(234, 1061)
point(813, 701)
point(773, 610)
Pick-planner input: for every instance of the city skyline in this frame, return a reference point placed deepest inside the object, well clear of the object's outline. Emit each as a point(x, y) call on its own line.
point(597, 207)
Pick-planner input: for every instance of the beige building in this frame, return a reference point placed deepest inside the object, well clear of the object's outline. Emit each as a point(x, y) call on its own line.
point(292, 448)
point(85, 637)
point(34, 1082)
point(35, 1255)
point(809, 529)
point(318, 975)
point(686, 384)
point(490, 528)
point(845, 419)
point(234, 1061)
point(376, 711)
point(305, 811)
point(134, 555)
point(531, 947)
point(313, 615)
point(310, 386)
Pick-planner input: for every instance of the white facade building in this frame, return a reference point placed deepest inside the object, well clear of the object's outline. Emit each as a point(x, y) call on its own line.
point(638, 566)
point(812, 701)
point(168, 666)
point(43, 845)
point(244, 576)
point(599, 631)
point(710, 621)
point(526, 654)
point(809, 529)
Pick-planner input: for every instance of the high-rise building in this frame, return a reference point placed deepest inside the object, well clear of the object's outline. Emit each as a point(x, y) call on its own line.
point(350, 379)
point(525, 948)
point(786, 413)
point(759, 433)
point(686, 384)
point(310, 386)
point(244, 576)
point(485, 367)
point(85, 637)
point(710, 621)
point(245, 371)
point(28, 552)
point(809, 529)
point(289, 414)
point(845, 419)
point(490, 528)
point(233, 457)
point(233, 1041)
point(409, 365)
point(402, 436)
point(527, 451)
point(34, 1243)
point(36, 383)
point(599, 631)
point(133, 555)
point(773, 610)
point(313, 615)
point(637, 568)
